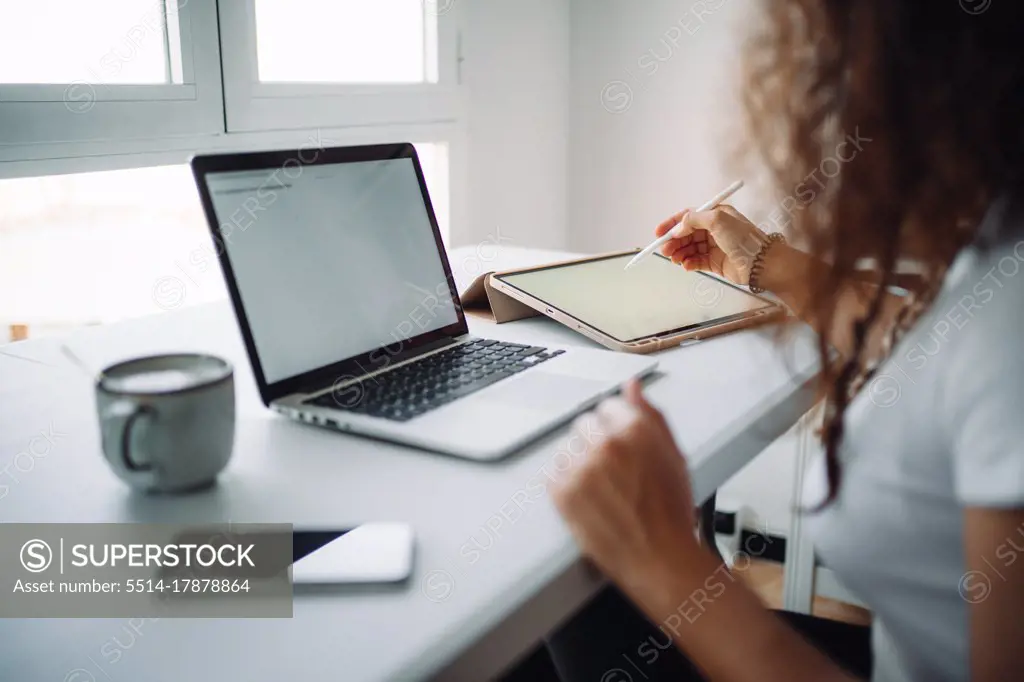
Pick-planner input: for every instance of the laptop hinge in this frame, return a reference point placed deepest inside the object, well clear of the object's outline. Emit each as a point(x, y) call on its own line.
point(389, 361)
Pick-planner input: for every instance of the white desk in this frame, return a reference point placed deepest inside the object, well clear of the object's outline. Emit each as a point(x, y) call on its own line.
point(464, 615)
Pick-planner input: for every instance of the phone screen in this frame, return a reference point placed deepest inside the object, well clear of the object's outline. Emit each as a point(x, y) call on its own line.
point(370, 553)
point(305, 542)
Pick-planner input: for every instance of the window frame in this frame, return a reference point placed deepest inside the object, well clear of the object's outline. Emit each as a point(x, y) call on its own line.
point(150, 125)
point(251, 105)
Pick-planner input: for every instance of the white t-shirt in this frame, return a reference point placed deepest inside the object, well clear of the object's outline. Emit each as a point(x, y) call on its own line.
point(940, 428)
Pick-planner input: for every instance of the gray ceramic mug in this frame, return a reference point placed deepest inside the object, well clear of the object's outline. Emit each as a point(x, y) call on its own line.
point(167, 421)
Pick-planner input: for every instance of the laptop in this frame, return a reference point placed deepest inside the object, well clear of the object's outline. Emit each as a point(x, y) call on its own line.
point(350, 315)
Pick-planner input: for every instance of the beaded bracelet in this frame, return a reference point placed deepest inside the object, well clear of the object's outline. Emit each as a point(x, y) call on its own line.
point(757, 269)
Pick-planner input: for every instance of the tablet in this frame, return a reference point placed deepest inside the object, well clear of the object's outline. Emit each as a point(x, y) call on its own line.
point(654, 305)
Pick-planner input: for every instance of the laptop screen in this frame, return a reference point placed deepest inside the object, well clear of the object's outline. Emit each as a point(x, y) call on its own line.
point(331, 261)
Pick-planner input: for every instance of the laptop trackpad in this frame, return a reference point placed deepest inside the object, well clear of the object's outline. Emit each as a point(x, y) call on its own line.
point(539, 390)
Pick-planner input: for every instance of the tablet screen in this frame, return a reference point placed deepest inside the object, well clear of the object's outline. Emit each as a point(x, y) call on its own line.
point(654, 298)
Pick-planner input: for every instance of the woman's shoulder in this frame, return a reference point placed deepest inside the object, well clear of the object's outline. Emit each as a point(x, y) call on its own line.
point(986, 282)
point(981, 314)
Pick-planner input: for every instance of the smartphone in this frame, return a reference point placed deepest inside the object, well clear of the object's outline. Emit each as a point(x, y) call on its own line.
point(369, 553)
point(366, 554)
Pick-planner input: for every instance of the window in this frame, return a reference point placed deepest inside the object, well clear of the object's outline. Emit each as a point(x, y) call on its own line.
point(345, 41)
point(101, 42)
point(302, 63)
point(106, 70)
point(88, 80)
point(118, 94)
point(93, 248)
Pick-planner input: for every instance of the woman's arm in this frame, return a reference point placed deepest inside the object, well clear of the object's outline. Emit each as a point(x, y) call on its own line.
point(993, 586)
point(628, 503)
point(712, 616)
point(723, 241)
point(792, 275)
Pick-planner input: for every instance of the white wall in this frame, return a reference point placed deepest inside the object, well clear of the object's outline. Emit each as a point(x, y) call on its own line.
point(653, 119)
point(516, 71)
point(654, 111)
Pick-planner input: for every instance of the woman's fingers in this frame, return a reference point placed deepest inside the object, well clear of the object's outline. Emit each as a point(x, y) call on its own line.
point(696, 225)
point(689, 222)
point(635, 393)
point(696, 263)
point(673, 245)
point(703, 240)
point(635, 396)
point(669, 248)
point(697, 246)
point(660, 230)
point(705, 221)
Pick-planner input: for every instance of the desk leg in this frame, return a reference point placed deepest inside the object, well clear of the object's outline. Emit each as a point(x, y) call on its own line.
point(707, 526)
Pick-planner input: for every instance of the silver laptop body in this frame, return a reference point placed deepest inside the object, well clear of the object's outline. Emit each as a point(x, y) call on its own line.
point(350, 315)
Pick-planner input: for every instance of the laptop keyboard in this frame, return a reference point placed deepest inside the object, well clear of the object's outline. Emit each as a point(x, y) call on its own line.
point(436, 380)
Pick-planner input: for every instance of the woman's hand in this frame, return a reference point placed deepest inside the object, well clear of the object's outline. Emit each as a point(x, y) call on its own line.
point(628, 503)
point(721, 241)
point(628, 500)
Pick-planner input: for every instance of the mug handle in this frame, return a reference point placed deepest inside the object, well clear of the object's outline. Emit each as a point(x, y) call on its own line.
point(123, 415)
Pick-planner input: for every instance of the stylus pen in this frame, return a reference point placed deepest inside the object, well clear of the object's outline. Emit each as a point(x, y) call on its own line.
point(712, 203)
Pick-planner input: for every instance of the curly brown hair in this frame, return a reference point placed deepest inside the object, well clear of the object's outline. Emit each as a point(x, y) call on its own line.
point(936, 90)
